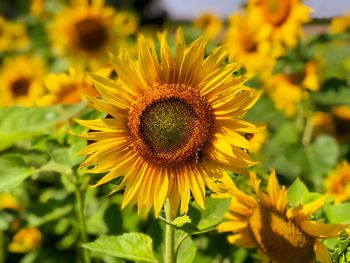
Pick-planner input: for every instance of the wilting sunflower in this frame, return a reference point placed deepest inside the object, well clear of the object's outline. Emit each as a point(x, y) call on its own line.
point(338, 183)
point(244, 47)
point(67, 88)
point(21, 81)
point(211, 25)
point(280, 21)
point(84, 31)
point(175, 125)
point(13, 35)
point(284, 235)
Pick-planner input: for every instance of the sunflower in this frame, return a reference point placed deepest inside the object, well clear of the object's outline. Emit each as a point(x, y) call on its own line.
point(244, 47)
point(175, 125)
point(288, 90)
point(67, 88)
point(338, 183)
point(323, 123)
point(284, 235)
point(211, 25)
point(126, 22)
point(340, 24)
point(8, 201)
point(26, 240)
point(280, 21)
point(21, 81)
point(13, 35)
point(84, 31)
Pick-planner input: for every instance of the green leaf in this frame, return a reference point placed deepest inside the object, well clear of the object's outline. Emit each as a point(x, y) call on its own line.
point(187, 250)
point(322, 156)
point(181, 220)
point(335, 96)
point(18, 123)
point(338, 214)
point(13, 171)
point(296, 192)
point(215, 209)
point(129, 246)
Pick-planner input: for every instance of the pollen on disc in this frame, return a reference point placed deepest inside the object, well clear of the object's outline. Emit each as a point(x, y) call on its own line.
point(166, 125)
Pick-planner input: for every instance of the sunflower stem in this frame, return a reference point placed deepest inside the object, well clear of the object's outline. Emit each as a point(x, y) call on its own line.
point(2, 246)
point(308, 130)
point(169, 235)
point(79, 195)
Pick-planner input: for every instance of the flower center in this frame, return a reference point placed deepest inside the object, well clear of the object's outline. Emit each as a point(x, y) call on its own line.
point(20, 87)
point(280, 238)
point(276, 11)
point(169, 124)
point(249, 44)
point(92, 34)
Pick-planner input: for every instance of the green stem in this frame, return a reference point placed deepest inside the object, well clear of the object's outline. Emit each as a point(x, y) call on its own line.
point(2, 246)
point(169, 235)
point(79, 194)
point(308, 130)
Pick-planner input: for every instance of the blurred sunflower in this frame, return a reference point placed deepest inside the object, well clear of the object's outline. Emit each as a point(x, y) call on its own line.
point(21, 81)
point(340, 24)
point(280, 21)
point(211, 25)
point(13, 35)
point(244, 47)
point(66, 88)
point(323, 123)
point(175, 124)
point(288, 90)
point(126, 22)
point(284, 235)
point(25, 240)
point(338, 183)
point(257, 140)
point(8, 201)
point(84, 31)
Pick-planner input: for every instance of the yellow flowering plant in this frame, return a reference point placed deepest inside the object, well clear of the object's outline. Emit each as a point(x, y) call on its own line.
point(129, 135)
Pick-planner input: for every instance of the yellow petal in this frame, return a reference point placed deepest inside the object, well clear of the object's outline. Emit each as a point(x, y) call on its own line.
point(322, 253)
point(321, 230)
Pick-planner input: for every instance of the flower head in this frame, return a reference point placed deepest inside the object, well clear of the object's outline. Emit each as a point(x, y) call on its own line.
point(211, 24)
point(284, 235)
point(175, 124)
point(24, 85)
point(280, 21)
point(338, 183)
point(13, 35)
point(67, 88)
point(245, 47)
point(85, 31)
point(340, 24)
point(25, 240)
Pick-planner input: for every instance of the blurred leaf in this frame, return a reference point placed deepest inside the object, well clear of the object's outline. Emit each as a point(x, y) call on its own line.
point(296, 192)
point(130, 246)
point(18, 123)
point(338, 214)
point(333, 92)
point(51, 210)
point(322, 155)
point(13, 171)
